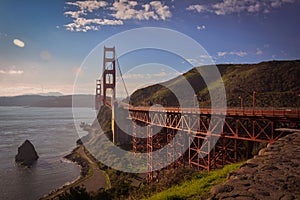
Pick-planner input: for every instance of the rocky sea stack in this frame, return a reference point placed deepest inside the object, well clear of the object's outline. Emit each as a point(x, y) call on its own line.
point(26, 154)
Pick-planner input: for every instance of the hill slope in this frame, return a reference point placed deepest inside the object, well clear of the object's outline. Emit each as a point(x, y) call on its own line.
point(276, 84)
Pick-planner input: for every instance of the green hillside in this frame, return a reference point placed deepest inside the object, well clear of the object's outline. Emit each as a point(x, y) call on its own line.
point(276, 84)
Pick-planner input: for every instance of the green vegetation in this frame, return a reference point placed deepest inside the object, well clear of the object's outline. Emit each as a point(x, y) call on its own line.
point(276, 84)
point(76, 193)
point(120, 190)
point(177, 184)
point(199, 186)
point(104, 120)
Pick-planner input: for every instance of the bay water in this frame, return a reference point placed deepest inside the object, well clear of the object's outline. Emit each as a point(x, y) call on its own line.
point(52, 132)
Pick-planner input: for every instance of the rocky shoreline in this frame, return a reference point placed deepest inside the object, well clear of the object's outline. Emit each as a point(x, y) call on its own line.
point(92, 177)
point(272, 174)
point(76, 158)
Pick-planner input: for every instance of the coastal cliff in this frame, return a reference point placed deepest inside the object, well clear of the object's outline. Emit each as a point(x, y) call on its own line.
point(273, 174)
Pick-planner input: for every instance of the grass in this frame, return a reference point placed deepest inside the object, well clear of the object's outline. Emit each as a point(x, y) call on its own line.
point(198, 186)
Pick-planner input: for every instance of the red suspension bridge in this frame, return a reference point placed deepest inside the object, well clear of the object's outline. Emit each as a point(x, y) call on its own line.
point(207, 148)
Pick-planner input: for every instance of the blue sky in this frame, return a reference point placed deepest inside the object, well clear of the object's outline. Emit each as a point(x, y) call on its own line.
point(44, 43)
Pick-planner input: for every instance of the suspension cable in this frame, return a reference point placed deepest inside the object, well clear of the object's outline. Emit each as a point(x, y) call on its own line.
point(122, 76)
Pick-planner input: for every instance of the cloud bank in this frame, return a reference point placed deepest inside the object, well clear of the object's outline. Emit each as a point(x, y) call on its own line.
point(237, 53)
point(226, 7)
point(11, 72)
point(85, 14)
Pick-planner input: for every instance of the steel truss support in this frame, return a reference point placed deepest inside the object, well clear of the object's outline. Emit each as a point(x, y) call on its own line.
point(244, 128)
point(174, 153)
point(209, 148)
point(139, 144)
point(150, 150)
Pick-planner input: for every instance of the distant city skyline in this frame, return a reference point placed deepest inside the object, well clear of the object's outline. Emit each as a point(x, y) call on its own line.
point(44, 43)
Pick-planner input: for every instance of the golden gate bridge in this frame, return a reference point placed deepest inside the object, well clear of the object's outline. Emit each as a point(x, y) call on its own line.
point(207, 149)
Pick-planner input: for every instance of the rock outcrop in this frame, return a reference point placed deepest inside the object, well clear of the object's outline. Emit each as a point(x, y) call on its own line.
point(273, 174)
point(26, 154)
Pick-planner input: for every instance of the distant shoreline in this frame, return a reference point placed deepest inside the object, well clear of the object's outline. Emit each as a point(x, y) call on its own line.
point(87, 101)
point(19, 106)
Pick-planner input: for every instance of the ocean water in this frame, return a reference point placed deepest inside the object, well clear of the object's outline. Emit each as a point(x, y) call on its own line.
point(52, 132)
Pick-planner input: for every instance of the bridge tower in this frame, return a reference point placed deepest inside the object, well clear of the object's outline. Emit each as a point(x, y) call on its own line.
point(109, 73)
point(109, 82)
point(98, 97)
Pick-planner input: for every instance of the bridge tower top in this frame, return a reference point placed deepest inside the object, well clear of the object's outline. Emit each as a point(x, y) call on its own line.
point(109, 73)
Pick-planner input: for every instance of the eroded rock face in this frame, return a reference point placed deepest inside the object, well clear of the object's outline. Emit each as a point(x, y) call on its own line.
point(273, 174)
point(26, 154)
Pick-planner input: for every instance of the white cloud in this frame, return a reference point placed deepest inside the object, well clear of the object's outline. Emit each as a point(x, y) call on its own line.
point(254, 8)
point(75, 14)
point(238, 6)
point(201, 60)
point(201, 27)
point(80, 23)
point(237, 53)
point(89, 5)
point(276, 3)
point(193, 61)
point(15, 72)
point(259, 51)
point(198, 8)
point(125, 10)
point(222, 53)
point(19, 43)
point(205, 56)
point(163, 11)
point(11, 72)
point(229, 6)
point(84, 25)
point(120, 10)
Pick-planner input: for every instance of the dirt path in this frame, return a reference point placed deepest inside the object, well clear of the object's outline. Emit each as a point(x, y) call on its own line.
point(97, 180)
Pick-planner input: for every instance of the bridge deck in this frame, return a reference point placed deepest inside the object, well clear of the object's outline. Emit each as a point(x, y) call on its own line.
point(248, 112)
